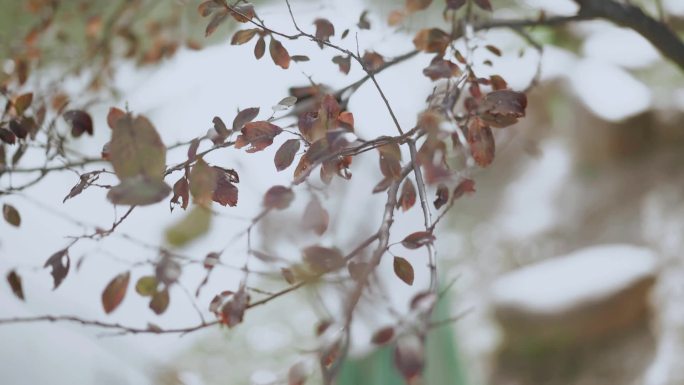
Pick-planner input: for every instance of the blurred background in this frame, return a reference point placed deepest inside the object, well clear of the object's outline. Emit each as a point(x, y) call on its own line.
point(566, 263)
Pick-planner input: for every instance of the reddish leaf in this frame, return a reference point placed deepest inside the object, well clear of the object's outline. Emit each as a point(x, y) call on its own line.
point(498, 83)
point(115, 292)
point(372, 61)
point(11, 215)
point(243, 36)
point(216, 20)
point(297, 375)
point(344, 62)
point(417, 5)
point(225, 192)
point(441, 69)
point(192, 149)
point(258, 135)
point(465, 186)
point(322, 259)
point(403, 270)
point(315, 217)
point(181, 191)
point(357, 270)
point(432, 40)
point(221, 130)
point(286, 153)
point(395, 17)
point(208, 7)
point(233, 311)
point(278, 197)
point(442, 196)
point(244, 116)
point(481, 141)
point(59, 263)
point(242, 12)
point(383, 335)
point(113, 116)
point(7, 136)
point(408, 195)
point(160, 301)
point(260, 48)
point(80, 122)
point(14, 281)
point(418, 239)
point(324, 29)
point(279, 54)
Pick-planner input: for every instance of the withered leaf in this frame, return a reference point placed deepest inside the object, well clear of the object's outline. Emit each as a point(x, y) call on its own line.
point(372, 61)
point(408, 195)
point(80, 122)
point(242, 12)
point(403, 270)
point(225, 193)
point(288, 275)
point(233, 311)
point(278, 197)
point(244, 116)
point(503, 108)
point(11, 215)
point(315, 217)
point(220, 127)
point(417, 240)
point(286, 153)
point(260, 48)
point(208, 7)
point(137, 149)
point(14, 281)
point(22, 102)
point(113, 116)
point(363, 21)
point(498, 83)
point(160, 301)
point(114, 293)
point(357, 270)
point(297, 375)
point(324, 29)
point(202, 182)
point(484, 4)
point(493, 49)
point(442, 196)
point(343, 62)
point(279, 54)
point(217, 19)
point(181, 192)
point(243, 36)
point(441, 69)
point(299, 58)
point(383, 335)
point(432, 40)
point(481, 141)
point(455, 4)
point(465, 186)
point(258, 135)
point(85, 180)
point(7, 136)
point(59, 263)
point(322, 259)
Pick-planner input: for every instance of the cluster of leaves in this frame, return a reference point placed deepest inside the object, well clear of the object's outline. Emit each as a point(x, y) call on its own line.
point(460, 117)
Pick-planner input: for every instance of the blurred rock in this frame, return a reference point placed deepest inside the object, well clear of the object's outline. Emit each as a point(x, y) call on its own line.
point(576, 319)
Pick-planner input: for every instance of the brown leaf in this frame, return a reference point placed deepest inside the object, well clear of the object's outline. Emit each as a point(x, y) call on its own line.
point(297, 375)
point(357, 270)
point(279, 54)
point(498, 83)
point(395, 17)
point(244, 116)
point(493, 49)
point(288, 275)
point(383, 335)
point(403, 270)
point(418, 239)
point(408, 195)
point(382, 185)
point(181, 191)
point(286, 153)
point(324, 29)
point(442, 196)
point(258, 135)
point(7, 136)
point(59, 263)
point(202, 182)
point(14, 281)
point(465, 186)
point(11, 215)
point(278, 197)
point(80, 122)
point(243, 36)
point(432, 40)
point(363, 21)
point(322, 259)
point(208, 7)
point(113, 116)
point(417, 5)
point(344, 62)
point(233, 311)
point(299, 58)
point(503, 108)
point(137, 149)
point(260, 48)
point(225, 192)
point(22, 102)
point(216, 20)
point(242, 12)
point(441, 69)
point(481, 142)
point(315, 217)
point(372, 61)
point(115, 292)
point(160, 301)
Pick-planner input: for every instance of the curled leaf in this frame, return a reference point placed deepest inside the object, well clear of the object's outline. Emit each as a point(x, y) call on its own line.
point(80, 122)
point(59, 264)
point(418, 239)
